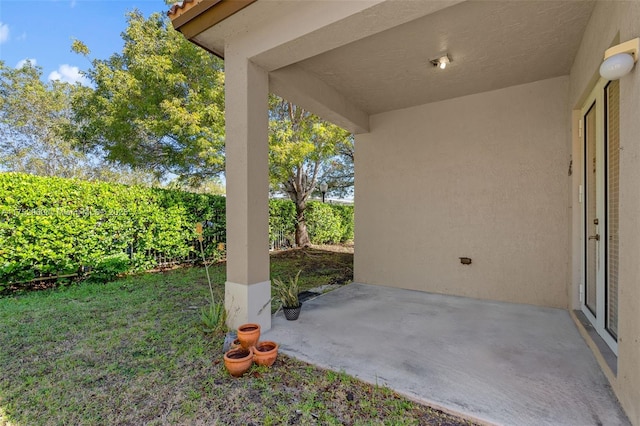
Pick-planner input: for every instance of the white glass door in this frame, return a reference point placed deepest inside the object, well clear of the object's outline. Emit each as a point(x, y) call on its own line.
point(601, 185)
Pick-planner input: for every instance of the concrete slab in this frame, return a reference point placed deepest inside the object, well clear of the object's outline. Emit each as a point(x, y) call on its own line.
point(495, 362)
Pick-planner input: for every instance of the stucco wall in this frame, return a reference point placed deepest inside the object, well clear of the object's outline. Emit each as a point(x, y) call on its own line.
point(612, 22)
point(483, 176)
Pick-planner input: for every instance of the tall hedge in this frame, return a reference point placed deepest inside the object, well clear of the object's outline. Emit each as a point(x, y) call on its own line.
point(326, 223)
point(329, 223)
point(282, 219)
point(347, 225)
point(55, 226)
point(204, 208)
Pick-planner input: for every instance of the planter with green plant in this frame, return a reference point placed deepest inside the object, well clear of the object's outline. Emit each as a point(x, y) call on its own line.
point(287, 292)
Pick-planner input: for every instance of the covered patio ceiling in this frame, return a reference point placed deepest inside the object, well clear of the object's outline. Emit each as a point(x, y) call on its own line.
point(376, 58)
point(492, 44)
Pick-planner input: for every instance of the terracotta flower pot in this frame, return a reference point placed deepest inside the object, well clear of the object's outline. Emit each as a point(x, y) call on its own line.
point(238, 361)
point(248, 334)
point(265, 353)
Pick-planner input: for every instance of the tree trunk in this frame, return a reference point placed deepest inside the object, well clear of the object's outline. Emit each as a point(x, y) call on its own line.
point(302, 236)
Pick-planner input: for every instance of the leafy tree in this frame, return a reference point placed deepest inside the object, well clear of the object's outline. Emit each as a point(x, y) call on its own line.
point(32, 117)
point(212, 186)
point(304, 150)
point(159, 104)
point(34, 120)
point(338, 173)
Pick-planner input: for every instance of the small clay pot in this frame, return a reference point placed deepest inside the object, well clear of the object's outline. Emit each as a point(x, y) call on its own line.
point(248, 335)
point(238, 361)
point(265, 353)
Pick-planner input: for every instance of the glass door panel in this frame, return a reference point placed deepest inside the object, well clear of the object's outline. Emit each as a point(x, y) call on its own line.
point(601, 150)
point(591, 219)
point(612, 121)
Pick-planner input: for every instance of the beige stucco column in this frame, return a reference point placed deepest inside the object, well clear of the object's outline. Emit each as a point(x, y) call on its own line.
point(248, 289)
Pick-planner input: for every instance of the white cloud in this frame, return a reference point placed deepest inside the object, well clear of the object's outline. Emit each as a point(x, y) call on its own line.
point(23, 62)
point(68, 74)
point(22, 37)
point(4, 32)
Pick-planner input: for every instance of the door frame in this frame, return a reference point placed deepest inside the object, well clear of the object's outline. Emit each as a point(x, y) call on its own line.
point(598, 321)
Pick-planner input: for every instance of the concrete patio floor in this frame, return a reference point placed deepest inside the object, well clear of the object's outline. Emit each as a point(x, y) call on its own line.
point(497, 363)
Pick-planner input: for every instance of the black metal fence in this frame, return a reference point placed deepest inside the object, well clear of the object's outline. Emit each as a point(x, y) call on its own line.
point(213, 245)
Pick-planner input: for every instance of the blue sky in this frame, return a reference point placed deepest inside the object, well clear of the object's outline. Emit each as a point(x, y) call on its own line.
point(42, 30)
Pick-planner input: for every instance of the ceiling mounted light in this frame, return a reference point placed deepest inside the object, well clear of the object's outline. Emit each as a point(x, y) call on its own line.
point(619, 60)
point(441, 62)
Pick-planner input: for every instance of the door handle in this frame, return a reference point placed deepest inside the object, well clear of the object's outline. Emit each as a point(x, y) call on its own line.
point(595, 237)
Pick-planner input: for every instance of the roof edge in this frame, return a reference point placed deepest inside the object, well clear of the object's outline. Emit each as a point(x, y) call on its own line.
point(179, 8)
point(191, 17)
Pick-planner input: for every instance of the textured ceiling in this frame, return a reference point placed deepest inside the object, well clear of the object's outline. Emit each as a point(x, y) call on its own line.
point(493, 44)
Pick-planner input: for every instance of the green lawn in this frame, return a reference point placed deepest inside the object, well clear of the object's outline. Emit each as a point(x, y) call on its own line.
point(132, 352)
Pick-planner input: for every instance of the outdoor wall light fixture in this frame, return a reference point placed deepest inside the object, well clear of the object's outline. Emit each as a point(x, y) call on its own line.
point(619, 60)
point(441, 62)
